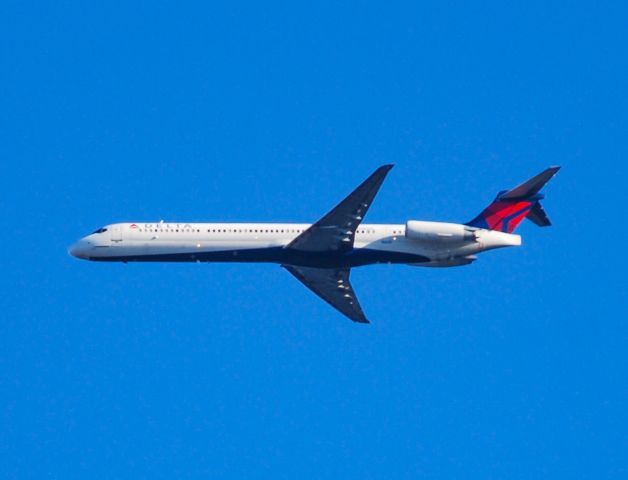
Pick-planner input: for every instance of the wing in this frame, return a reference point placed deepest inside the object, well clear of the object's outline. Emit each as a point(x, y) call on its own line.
point(333, 286)
point(336, 230)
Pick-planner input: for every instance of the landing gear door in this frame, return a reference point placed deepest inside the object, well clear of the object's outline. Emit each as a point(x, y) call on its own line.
point(116, 234)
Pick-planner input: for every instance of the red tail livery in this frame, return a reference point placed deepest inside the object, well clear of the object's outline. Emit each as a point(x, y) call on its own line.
point(510, 207)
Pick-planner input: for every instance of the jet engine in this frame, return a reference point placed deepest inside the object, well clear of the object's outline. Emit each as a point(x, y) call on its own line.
point(439, 232)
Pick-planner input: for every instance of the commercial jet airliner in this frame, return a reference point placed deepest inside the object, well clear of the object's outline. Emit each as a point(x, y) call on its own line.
point(322, 254)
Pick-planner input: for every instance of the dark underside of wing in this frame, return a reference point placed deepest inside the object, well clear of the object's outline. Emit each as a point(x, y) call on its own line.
point(335, 232)
point(333, 286)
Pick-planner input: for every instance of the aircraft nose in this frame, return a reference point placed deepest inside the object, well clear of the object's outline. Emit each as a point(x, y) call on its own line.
point(79, 249)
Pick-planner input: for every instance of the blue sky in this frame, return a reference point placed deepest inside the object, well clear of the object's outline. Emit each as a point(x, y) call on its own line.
point(514, 367)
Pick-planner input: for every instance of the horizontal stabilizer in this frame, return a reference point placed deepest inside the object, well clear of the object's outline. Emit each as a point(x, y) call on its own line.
point(532, 186)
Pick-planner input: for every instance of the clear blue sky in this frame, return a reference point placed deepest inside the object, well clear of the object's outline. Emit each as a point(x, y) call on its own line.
point(514, 367)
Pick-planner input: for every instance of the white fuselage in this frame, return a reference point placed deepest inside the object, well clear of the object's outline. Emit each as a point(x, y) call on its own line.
point(426, 244)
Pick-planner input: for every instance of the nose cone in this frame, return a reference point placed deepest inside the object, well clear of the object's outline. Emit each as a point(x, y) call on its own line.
point(80, 249)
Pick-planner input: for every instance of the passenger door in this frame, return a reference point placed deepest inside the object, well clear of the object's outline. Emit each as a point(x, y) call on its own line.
point(116, 234)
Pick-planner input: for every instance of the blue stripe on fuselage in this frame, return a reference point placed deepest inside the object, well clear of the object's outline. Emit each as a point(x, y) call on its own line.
point(353, 258)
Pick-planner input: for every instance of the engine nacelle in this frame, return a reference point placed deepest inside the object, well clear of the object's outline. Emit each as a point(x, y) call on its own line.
point(438, 232)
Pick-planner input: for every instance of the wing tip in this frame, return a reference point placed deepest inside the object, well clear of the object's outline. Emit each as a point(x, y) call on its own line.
point(553, 169)
point(362, 320)
point(383, 170)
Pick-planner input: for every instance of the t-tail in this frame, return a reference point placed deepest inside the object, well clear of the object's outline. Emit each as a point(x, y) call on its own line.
point(510, 207)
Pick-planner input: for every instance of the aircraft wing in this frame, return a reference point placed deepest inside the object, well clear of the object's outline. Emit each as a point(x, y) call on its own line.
point(336, 230)
point(333, 286)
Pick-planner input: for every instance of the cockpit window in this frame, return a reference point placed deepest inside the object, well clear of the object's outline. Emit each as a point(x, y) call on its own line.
point(100, 230)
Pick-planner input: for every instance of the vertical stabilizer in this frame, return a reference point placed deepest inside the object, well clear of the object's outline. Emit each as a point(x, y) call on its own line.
point(510, 207)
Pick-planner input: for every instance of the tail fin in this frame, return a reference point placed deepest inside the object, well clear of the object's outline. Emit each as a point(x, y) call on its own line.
point(510, 207)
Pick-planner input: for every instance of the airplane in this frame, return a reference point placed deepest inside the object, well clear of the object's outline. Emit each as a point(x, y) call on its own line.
point(322, 254)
